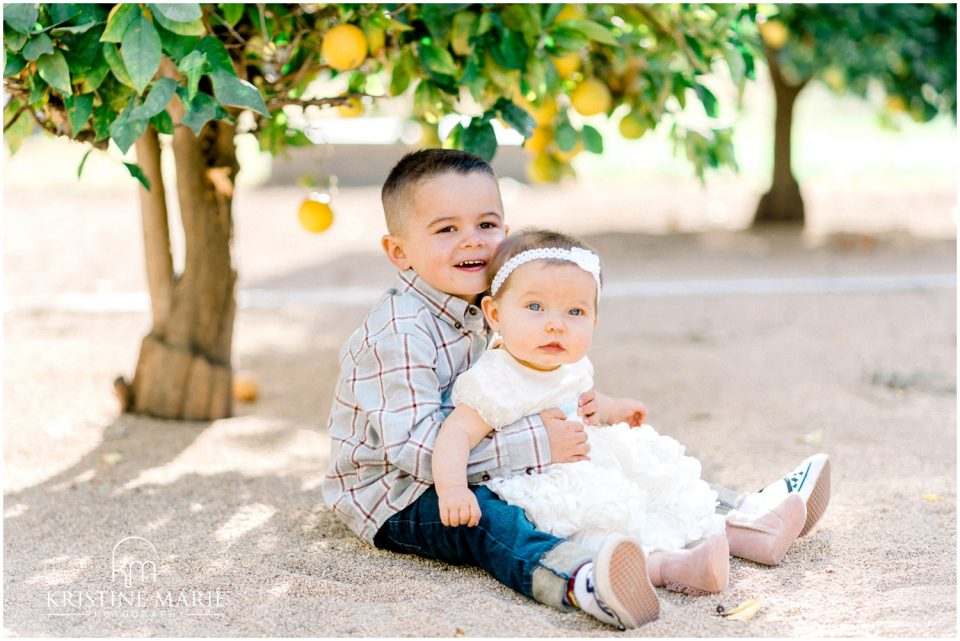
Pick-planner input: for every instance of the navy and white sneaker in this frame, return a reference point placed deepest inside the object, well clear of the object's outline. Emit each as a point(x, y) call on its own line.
point(615, 588)
point(811, 480)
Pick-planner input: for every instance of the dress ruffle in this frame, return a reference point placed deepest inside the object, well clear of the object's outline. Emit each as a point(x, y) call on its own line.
point(637, 482)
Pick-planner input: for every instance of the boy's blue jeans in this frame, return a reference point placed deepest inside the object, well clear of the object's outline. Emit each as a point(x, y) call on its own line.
point(505, 544)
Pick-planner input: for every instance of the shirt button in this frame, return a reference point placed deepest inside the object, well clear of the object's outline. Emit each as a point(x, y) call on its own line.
point(530, 470)
point(458, 325)
point(473, 311)
point(485, 477)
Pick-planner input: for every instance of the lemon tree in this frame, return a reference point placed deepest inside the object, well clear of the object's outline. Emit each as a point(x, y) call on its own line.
point(191, 77)
point(906, 51)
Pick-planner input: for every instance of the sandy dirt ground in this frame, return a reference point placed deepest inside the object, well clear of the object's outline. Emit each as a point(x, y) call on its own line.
point(231, 512)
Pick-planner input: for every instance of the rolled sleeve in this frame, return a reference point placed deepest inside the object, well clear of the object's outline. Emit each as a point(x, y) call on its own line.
point(522, 447)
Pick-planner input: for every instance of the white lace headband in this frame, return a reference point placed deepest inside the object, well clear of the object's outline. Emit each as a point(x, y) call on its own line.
point(582, 258)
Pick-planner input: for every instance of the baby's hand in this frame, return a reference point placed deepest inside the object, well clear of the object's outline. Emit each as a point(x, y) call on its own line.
point(458, 506)
point(629, 411)
point(588, 408)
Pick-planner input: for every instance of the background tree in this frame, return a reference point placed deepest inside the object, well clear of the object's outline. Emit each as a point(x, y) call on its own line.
point(190, 77)
point(906, 51)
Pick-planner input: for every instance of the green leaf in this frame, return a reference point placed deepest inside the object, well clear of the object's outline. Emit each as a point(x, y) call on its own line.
point(103, 117)
point(157, 100)
point(516, 117)
point(524, 18)
point(194, 28)
point(551, 12)
point(480, 139)
point(592, 30)
point(14, 65)
point(176, 46)
point(403, 70)
point(177, 12)
point(707, 98)
point(83, 161)
point(163, 123)
point(39, 45)
point(137, 173)
point(437, 60)
point(115, 62)
point(217, 54)
point(79, 109)
point(235, 92)
point(232, 12)
point(74, 30)
point(121, 16)
point(437, 17)
point(54, 71)
point(193, 65)
point(202, 109)
point(14, 41)
point(18, 132)
point(566, 39)
point(566, 137)
point(592, 140)
point(98, 71)
point(140, 49)
point(124, 131)
point(20, 16)
point(511, 51)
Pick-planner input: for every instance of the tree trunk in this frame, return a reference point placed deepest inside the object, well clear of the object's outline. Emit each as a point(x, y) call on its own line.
point(184, 369)
point(783, 202)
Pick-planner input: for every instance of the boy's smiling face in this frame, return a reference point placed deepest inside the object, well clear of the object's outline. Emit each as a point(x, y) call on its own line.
point(452, 227)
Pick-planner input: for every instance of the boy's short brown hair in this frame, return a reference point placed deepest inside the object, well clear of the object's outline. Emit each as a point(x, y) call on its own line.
point(416, 167)
point(516, 244)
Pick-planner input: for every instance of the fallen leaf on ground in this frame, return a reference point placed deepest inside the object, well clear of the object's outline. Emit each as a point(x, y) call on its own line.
point(745, 611)
point(813, 438)
point(933, 498)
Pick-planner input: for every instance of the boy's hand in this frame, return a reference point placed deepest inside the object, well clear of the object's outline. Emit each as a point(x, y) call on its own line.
point(589, 408)
point(628, 410)
point(458, 506)
point(568, 441)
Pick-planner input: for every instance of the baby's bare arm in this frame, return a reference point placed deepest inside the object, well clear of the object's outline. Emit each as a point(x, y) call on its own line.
point(620, 410)
point(459, 434)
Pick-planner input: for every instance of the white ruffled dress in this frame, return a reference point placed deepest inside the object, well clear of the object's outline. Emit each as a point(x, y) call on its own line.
point(637, 481)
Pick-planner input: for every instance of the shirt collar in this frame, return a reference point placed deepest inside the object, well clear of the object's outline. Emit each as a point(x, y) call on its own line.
point(447, 307)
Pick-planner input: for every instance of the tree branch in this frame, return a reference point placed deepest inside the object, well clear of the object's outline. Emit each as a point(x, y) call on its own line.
point(316, 102)
point(16, 117)
point(156, 230)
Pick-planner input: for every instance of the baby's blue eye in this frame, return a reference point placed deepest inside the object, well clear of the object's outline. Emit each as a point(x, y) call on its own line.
point(535, 307)
point(488, 225)
point(576, 311)
point(444, 230)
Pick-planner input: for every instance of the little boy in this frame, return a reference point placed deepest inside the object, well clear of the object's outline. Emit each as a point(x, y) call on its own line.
point(445, 220)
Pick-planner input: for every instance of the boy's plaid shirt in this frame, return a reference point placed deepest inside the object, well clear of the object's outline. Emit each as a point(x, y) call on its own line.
point(393, 393)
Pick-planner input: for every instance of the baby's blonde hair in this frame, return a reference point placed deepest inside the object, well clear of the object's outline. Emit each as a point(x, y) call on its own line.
point(526, 239)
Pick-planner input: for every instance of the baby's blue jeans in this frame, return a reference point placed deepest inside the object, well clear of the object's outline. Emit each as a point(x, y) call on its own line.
point(505, 544)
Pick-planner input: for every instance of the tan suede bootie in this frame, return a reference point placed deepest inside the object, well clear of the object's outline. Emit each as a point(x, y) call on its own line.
point(699, 570)
point(766, 537)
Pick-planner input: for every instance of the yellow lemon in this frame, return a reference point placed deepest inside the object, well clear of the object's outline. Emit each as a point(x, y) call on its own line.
point(895, 104)
point(567, 64)
point(570, 12)
point(376, 39)
point(632, 126)
point(543, 169)
point(834, 78)
point(245, 389)
point(537, 143)
point(315, 216)
point(344, 47)
point(774, 34)
point(591, 97)
point(351, 109)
